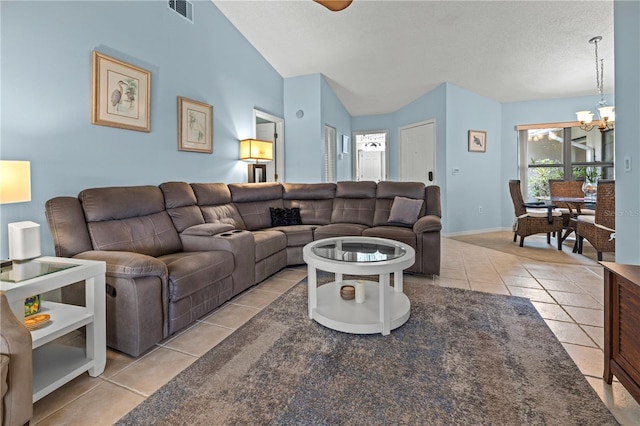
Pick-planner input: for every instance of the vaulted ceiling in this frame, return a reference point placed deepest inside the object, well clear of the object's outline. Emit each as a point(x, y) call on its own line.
point(380, 55)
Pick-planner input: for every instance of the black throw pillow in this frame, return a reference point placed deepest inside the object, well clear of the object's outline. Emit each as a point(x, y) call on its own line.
point(285, 217)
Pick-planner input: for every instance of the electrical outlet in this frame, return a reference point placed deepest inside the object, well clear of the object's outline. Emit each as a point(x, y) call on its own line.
point(480, 209)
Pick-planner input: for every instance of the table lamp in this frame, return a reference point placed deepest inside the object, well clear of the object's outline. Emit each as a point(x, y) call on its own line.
point(15, 187)
point(255, 149)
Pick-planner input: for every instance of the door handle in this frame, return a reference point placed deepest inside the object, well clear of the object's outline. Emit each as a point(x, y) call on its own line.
point(430, 176)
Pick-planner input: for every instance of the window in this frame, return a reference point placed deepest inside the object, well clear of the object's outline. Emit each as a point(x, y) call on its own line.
point(562, 151)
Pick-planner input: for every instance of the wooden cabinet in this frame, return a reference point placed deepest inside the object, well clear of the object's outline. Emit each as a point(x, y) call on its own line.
point(622, 325)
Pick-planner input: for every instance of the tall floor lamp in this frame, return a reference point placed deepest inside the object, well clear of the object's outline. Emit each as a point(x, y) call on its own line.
point(256, 150)
point(15, 187)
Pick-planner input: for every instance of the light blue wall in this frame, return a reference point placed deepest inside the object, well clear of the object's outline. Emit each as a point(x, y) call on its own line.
point(46, 96)
point(334, 114)
point(627, 53)
point(478, 184)
point(304, 158)
point(46, 92)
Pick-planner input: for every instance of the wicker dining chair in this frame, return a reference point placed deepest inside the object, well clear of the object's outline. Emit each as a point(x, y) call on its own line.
point(600, 229)
point(530, 221)
point(568, 189)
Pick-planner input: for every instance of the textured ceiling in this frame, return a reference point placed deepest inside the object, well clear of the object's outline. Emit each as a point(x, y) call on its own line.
point(380, 55)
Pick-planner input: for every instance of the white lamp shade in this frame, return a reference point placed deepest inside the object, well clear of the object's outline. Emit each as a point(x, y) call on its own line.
point(607, 111)
point(15, 181)
point(254, 149)
point(585, 116)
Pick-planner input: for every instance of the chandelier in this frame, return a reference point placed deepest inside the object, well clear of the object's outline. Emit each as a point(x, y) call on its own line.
point(606, 112)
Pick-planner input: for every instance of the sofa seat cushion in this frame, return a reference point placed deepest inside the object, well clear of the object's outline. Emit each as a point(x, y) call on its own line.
point(297, 235)
point(190, 272)
point(268, 242)
point(397, 233)
point(338, 230)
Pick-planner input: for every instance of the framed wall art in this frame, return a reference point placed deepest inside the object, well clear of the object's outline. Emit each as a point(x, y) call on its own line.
point(120, 94)
point(477, 141)
point(195, 126)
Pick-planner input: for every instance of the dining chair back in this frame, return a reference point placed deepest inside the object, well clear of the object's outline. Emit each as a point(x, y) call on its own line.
point(600, 229)
point(530, 221)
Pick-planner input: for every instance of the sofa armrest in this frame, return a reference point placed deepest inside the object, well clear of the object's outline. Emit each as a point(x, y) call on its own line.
point(429, 223)
point(17, 373)
point(125, 264)
point(208, 229)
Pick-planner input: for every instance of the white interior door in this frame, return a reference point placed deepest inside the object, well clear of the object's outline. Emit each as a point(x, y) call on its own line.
point(418, 152)
point(370, 165)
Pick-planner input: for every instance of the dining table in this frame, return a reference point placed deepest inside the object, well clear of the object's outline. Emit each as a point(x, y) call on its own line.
point(574, 204)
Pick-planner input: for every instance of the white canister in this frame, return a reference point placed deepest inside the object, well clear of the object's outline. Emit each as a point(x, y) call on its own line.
point(359, 285)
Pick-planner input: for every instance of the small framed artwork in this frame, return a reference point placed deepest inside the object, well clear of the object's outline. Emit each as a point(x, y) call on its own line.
point(120, 94)
point(477, 141)
point(195, 126)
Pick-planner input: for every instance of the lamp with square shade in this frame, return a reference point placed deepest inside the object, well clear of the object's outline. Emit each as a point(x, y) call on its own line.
point(256, 150)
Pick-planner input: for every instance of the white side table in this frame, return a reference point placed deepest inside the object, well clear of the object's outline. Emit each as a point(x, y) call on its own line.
point(55, 364)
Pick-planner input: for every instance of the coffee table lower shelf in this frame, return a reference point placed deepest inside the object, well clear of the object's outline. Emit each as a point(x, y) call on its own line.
point(359, 318)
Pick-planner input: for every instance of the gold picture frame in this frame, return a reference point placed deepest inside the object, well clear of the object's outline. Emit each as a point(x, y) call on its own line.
point(120, 94)
point(195, 126)
point(477, 141)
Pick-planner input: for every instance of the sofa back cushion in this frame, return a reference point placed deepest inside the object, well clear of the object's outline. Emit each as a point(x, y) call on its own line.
point(253, 201)
point(68, 226)
point(386, 193)
point(214, 201)
point(354, 203)
point(315, 201)
point(129, 219)
point(181, 204)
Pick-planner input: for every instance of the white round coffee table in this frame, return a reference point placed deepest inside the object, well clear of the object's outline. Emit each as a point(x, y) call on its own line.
point(385, 308)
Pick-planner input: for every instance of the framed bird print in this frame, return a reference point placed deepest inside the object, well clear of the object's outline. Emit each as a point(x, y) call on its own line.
point(477, 141)
point(195, 126)
point(120, 95)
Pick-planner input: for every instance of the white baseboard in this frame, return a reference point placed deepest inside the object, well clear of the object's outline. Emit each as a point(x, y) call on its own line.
point(476, 231)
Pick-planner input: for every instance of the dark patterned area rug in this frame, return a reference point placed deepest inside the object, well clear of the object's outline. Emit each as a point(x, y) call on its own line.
point(463, 358)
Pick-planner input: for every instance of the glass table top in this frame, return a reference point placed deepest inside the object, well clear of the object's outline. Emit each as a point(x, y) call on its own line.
point(358, 251)
point(23, 271)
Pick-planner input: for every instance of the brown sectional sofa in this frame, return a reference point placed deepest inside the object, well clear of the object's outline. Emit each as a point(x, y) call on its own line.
point(177, 251)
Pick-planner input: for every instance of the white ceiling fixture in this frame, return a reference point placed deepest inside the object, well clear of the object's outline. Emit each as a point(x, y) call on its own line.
point(606, 112)
point(379, 56)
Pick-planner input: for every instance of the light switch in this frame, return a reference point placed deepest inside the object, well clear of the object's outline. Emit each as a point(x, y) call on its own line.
point(627, 163)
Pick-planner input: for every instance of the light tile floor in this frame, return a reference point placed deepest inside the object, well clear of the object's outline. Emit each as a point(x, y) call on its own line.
point(569, 297)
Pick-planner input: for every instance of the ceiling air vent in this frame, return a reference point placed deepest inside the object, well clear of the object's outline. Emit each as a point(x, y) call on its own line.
point(182, 8)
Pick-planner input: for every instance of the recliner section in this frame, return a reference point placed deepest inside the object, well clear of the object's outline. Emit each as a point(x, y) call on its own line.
point(177, 251)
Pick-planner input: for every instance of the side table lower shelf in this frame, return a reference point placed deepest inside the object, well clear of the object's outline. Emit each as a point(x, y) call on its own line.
point(55, 364)
point(360, 318)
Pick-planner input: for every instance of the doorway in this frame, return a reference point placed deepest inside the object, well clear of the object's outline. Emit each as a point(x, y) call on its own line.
point(271, 128)
point(418, 152)
point(371, 159)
